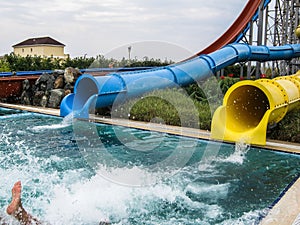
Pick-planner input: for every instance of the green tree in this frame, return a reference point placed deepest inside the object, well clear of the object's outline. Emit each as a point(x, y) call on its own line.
point(4, 65)
point(28, 63)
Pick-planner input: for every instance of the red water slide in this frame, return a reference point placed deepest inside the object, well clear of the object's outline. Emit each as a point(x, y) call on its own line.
point(235, 29)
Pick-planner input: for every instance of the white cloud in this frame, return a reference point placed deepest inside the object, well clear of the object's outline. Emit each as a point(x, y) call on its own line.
point(93, 27)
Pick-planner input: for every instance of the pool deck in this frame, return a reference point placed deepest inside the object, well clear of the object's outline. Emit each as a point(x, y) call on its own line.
point(284, 212)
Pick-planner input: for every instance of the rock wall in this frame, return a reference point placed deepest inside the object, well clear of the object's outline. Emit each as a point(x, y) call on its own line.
point(50, 89)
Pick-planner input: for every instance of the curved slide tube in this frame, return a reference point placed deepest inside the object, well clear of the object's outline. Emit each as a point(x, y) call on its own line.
point(98, 92)
point(249, 107)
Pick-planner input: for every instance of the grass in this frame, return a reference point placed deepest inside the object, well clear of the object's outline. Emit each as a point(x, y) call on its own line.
point(169, 106)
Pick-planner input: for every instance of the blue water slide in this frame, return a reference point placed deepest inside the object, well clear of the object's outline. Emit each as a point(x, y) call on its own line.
point(103, 91)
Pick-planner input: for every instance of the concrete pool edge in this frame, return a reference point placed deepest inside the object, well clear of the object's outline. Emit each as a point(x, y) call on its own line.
point(286, 207)
point(287, 210)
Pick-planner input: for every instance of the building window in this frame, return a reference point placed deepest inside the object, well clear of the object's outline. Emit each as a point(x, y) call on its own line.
point(22, 49)
point(31, 50)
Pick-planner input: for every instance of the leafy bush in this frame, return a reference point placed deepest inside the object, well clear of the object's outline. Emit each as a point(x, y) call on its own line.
point(288, 129)
point(210, 89)
point(234, 70)
point(78, 62)
point(195, 92)
point(149, 62)
point(15, 62)
point(226, 83)
point(4, 66)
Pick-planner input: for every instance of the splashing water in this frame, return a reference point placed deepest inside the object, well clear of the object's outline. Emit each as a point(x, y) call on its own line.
point(239, 154)
point(11, 116)
point(59, 186)
point(66, 122)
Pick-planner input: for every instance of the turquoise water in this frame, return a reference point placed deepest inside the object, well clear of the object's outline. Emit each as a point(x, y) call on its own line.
point(62, 172)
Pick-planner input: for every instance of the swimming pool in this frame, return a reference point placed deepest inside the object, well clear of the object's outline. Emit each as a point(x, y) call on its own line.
point(63, 180)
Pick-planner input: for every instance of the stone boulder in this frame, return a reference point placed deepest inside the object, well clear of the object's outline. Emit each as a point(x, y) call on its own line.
point(45, 82)
point(57, 72)
point(69, 87)
point(44, 101)
point(50, 83)
point(26, 93)
point(56, 95)
point(25, 98)
point(68, 91)
point(71, 74)
point(26, 85)
point(59, 82)
point(38, 97)
point(42, 79)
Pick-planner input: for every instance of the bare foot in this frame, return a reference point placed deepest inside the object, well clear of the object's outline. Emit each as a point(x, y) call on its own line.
point(15, 204)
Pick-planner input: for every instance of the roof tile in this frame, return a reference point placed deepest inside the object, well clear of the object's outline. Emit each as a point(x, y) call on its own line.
point(39, 41)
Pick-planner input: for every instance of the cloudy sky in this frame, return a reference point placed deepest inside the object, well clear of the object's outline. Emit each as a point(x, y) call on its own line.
point(95, 27)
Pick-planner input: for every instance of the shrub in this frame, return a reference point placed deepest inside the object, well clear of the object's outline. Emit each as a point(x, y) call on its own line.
point(288, 129)
point(4, 66)
point(226, 83)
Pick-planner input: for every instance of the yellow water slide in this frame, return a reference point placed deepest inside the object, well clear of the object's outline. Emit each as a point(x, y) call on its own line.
point(250, 107)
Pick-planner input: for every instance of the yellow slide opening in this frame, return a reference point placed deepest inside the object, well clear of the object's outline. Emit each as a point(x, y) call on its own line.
point(249, 107)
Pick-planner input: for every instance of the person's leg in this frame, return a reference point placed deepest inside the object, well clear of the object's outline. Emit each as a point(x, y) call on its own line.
point(16, 209)
point(104, 223)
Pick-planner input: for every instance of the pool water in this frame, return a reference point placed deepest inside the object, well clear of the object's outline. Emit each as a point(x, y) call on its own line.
point(63, 183)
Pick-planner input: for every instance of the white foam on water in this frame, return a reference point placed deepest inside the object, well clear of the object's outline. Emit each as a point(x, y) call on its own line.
point(16, 115)
point(88, 201)
point(239, 155)
point(48, 127)
point(248, 218)
point(7, 110)
point(212, 191)
point(66, 122)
